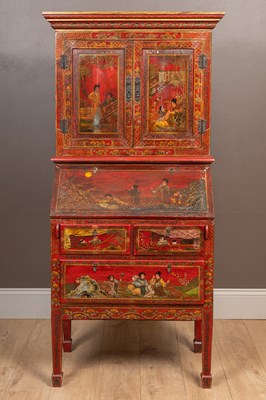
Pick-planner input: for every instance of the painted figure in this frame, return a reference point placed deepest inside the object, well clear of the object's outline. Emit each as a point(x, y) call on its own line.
point(171, 119)
point(164, 191)
point(109, 109)
point(108, 100)
point(139, 285)
point(158, 284)
point(135, 195)
point(112, 286)
point(176, 198)
point(95, 106)
point(112, 203)
point(162, 242)
point(95, 240)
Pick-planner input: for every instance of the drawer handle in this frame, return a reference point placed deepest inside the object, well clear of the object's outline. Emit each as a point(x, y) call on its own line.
point(167, 231)
point(169, 268)
point(95, 267)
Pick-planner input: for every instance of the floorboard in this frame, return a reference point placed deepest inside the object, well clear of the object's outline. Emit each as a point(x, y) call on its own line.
point(124, 360)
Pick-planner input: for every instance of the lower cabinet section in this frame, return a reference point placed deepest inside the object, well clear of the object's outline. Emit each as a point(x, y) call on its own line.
point(138, 282)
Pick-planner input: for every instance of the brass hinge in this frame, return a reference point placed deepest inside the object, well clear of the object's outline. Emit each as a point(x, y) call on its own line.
point(202, 61)
point(64, 125)
point(202, 126)
point(63, 61)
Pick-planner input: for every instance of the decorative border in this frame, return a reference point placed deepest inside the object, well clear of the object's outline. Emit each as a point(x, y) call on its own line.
point(133, 20)
point(55, 283)
point(159, 314)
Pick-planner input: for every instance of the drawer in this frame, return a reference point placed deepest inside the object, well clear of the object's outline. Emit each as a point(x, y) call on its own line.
point(139, 281)
point(165, 240)
point(95, 239)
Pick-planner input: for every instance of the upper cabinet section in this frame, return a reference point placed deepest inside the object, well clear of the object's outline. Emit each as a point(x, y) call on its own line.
point(133, 84)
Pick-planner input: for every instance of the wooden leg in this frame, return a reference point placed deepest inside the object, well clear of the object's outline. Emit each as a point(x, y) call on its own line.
point(67, 342)
point(57, 331)
point(207, 327)
point(197, 342)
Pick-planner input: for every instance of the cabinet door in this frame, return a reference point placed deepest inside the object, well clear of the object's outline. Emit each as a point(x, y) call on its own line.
point(171, 102)
point(94, 107)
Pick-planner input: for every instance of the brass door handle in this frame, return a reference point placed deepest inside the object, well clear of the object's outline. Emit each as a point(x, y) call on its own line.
point(128, 88)
point(137, 89)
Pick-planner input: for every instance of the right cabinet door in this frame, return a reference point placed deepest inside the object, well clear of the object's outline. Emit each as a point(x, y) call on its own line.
point(171, 87)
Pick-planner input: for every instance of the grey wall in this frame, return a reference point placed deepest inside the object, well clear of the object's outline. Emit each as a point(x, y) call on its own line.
point(238, 135)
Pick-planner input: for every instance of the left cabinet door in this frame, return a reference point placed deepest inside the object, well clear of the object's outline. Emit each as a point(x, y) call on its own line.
point(94, 94)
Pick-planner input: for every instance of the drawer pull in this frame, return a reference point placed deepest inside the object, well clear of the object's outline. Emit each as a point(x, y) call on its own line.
point(95, 267)
point(169, 268)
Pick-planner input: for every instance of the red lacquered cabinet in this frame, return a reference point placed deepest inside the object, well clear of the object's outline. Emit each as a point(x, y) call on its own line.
point(132, 219)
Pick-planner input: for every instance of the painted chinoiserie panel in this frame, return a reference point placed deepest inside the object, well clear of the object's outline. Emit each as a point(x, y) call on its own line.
point(94, 106)
point(143, 282)
point(174, 93)
point(132, 228)
point(95, 239)
point(132, 190)
point(162, 239)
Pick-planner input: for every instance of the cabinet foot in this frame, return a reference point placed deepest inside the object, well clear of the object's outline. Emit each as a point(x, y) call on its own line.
point(67, 346)
point(197, 346)
point(206, 381)
point(57, 380)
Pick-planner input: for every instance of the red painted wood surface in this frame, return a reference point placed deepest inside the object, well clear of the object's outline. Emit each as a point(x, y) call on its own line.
point(132, 214)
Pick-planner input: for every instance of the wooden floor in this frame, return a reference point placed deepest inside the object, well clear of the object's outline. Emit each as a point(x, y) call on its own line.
point(132, 360)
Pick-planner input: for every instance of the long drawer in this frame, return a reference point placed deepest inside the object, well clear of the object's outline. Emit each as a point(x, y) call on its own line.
point(141, 281)
point(95, 239)
point(168, 240)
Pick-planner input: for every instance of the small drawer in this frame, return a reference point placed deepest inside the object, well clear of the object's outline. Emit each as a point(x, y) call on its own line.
point(95, 239)
point(146, 282)
point(165, 240)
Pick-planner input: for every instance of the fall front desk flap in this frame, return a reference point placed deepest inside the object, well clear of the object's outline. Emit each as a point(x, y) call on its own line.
point(105, 190)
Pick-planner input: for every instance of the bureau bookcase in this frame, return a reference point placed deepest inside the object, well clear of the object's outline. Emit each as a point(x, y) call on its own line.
point(132, 219)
